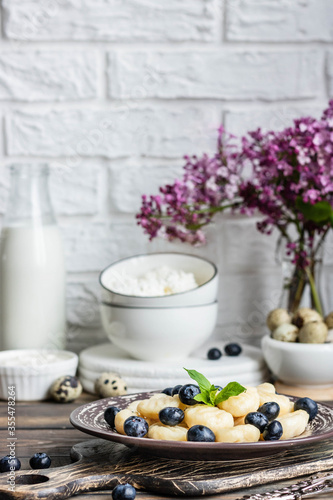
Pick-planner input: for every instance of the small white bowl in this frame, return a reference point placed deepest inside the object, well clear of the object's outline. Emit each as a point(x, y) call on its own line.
point(297, 364)
point(204, 271)
point(32, 371)
point(152, 334)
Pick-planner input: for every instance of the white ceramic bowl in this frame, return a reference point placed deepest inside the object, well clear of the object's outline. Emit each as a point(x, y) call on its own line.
point(297, 364)
point(32, 371)
point(205, 273)
point(152, 334)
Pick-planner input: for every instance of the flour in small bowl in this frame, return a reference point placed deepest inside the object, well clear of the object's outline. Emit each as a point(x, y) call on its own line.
point(156, 282)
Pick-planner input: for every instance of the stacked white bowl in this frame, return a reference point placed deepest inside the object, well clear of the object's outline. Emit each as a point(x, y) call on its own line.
point(153, 328)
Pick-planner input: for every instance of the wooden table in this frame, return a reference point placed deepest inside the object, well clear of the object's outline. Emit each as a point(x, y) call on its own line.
point(45, 427)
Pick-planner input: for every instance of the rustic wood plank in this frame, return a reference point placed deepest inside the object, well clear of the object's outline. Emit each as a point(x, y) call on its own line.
point(48, 414)
point(57, 442)
point(102, 465)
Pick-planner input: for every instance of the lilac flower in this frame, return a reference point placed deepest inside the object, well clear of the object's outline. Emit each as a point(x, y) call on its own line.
point(290, 184)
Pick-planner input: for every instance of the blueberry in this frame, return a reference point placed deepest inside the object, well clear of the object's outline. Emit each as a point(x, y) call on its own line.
point(187, 393)
point(257, 419)
point(273, 431)
point(109, 415)
point(8, 463)
point(135, 426)
point(124, 492)
point(232, 349)
point(200, 433)
point(40, 461)
point(171, 415)
point(214, 353)
point(176, 390)
point(308, 405)
point(168, 391)
point(271, 410)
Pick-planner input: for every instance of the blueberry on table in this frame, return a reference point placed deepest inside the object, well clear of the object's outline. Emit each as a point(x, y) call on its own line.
point(200, 433)
point(109, 415)
point(233, 349)
point(135, 426)
point(124, 492)
point(40, 461)
point(176, 390)
point(273, 431)
point(257, 419)
point(214, 353)
point(171, 415)
point(271, 410)
point(187, 393)
point(9, 463)
point(168, 391)
point(308, 405)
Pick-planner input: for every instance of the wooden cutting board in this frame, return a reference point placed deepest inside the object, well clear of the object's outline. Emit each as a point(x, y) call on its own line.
point(100, 464)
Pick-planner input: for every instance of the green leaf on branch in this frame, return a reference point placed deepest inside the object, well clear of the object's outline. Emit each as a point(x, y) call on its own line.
point(320, 212)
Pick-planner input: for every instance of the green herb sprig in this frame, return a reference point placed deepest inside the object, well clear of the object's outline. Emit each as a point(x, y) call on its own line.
point(209, 393)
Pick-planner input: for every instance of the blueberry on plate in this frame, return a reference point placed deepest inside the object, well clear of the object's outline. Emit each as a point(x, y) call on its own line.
point(273, 431)
point(257, 419)
point(171, 415)
point(271, 410)
point(110, 414)
point(187, 393)
point(124, 492)
point(176, 390)
point(135, 426)
point(40, 461)
point(233, 349)
point(200, 433)
point(9, 463)
point(214, 353)
point(308, 405)
point(168, 391)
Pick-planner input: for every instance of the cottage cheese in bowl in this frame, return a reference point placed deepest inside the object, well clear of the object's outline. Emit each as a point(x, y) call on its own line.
point(32, 371)
point(167, 279)
point(159, 281)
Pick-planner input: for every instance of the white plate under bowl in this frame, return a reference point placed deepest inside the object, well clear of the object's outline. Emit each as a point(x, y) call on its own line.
point(108, 357)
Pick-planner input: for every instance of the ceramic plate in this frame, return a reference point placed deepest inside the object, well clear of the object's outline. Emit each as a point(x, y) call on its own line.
point(89, 418)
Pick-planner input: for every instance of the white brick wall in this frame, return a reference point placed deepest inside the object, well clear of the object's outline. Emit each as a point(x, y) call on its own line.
point(113, 93)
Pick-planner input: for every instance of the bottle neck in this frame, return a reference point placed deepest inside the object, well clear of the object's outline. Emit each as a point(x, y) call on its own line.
point(29, 202)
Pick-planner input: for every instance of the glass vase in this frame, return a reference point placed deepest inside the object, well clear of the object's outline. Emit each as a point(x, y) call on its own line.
point(301, 287)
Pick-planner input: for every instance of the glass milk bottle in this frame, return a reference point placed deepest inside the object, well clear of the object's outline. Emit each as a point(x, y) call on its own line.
point(32, 273)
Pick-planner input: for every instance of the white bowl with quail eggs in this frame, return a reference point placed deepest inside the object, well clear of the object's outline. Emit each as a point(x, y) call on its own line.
point(299, 349)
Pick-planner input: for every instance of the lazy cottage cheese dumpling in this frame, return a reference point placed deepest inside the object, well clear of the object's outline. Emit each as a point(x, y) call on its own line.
point(293, 424)
point(210, 416)
point(242, 404)
point(267, 394)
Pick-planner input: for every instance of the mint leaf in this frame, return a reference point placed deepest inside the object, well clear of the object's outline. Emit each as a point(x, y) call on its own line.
point(232, 389)
point(201, 380)
point(212, 395)
point(203, 398)
point(200, 398)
